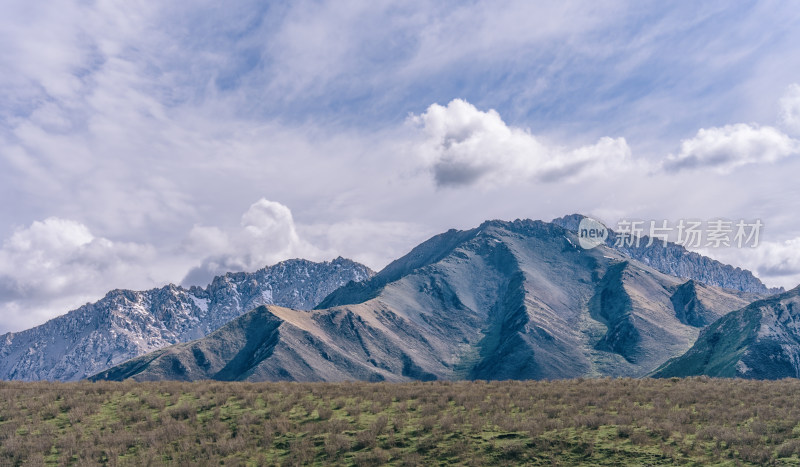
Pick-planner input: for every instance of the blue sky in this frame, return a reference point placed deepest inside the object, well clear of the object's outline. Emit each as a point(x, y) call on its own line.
point(151, 142)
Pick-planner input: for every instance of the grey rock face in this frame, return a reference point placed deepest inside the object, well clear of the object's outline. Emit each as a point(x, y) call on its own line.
point(506, 300)
point(676, 260)
point(126, 324)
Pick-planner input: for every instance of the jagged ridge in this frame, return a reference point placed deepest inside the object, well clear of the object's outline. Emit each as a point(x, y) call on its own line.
point(676, 260)
point(125, 324)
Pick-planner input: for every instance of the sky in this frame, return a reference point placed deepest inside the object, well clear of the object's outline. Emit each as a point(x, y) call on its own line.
point(143, 143)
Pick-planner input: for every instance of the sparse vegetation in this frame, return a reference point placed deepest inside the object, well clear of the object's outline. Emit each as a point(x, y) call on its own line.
point(595, 421)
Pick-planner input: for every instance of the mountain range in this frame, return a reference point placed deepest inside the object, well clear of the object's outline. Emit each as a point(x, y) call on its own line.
point(126, 324)
point(505, 300)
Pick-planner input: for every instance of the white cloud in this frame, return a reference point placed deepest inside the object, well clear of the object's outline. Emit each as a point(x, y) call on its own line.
point(58, 262)
point(55, 265)
point(790, 109)
point(466, 146)
point(267, 235)
point(726, 148)
point(143, 119)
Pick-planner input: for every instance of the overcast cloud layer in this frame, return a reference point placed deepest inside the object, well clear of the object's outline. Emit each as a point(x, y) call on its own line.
point(143, 143)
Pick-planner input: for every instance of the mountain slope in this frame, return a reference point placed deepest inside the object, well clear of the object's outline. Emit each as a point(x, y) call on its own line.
point(760, 341)
point(428, 252)
point(507, 300)
point(125, 324)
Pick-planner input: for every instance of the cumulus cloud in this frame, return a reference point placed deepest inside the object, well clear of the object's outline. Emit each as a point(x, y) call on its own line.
point(58, 262)
point(726, 148)
point(142, 120)
point(55, 265)
point(267, 234)
point(466, 146)
point(790, 109)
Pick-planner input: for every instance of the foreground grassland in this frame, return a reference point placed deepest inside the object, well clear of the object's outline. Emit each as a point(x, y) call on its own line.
point(605, 421)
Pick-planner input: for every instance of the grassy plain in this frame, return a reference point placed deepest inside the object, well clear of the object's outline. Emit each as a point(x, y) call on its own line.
point(696, 421)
